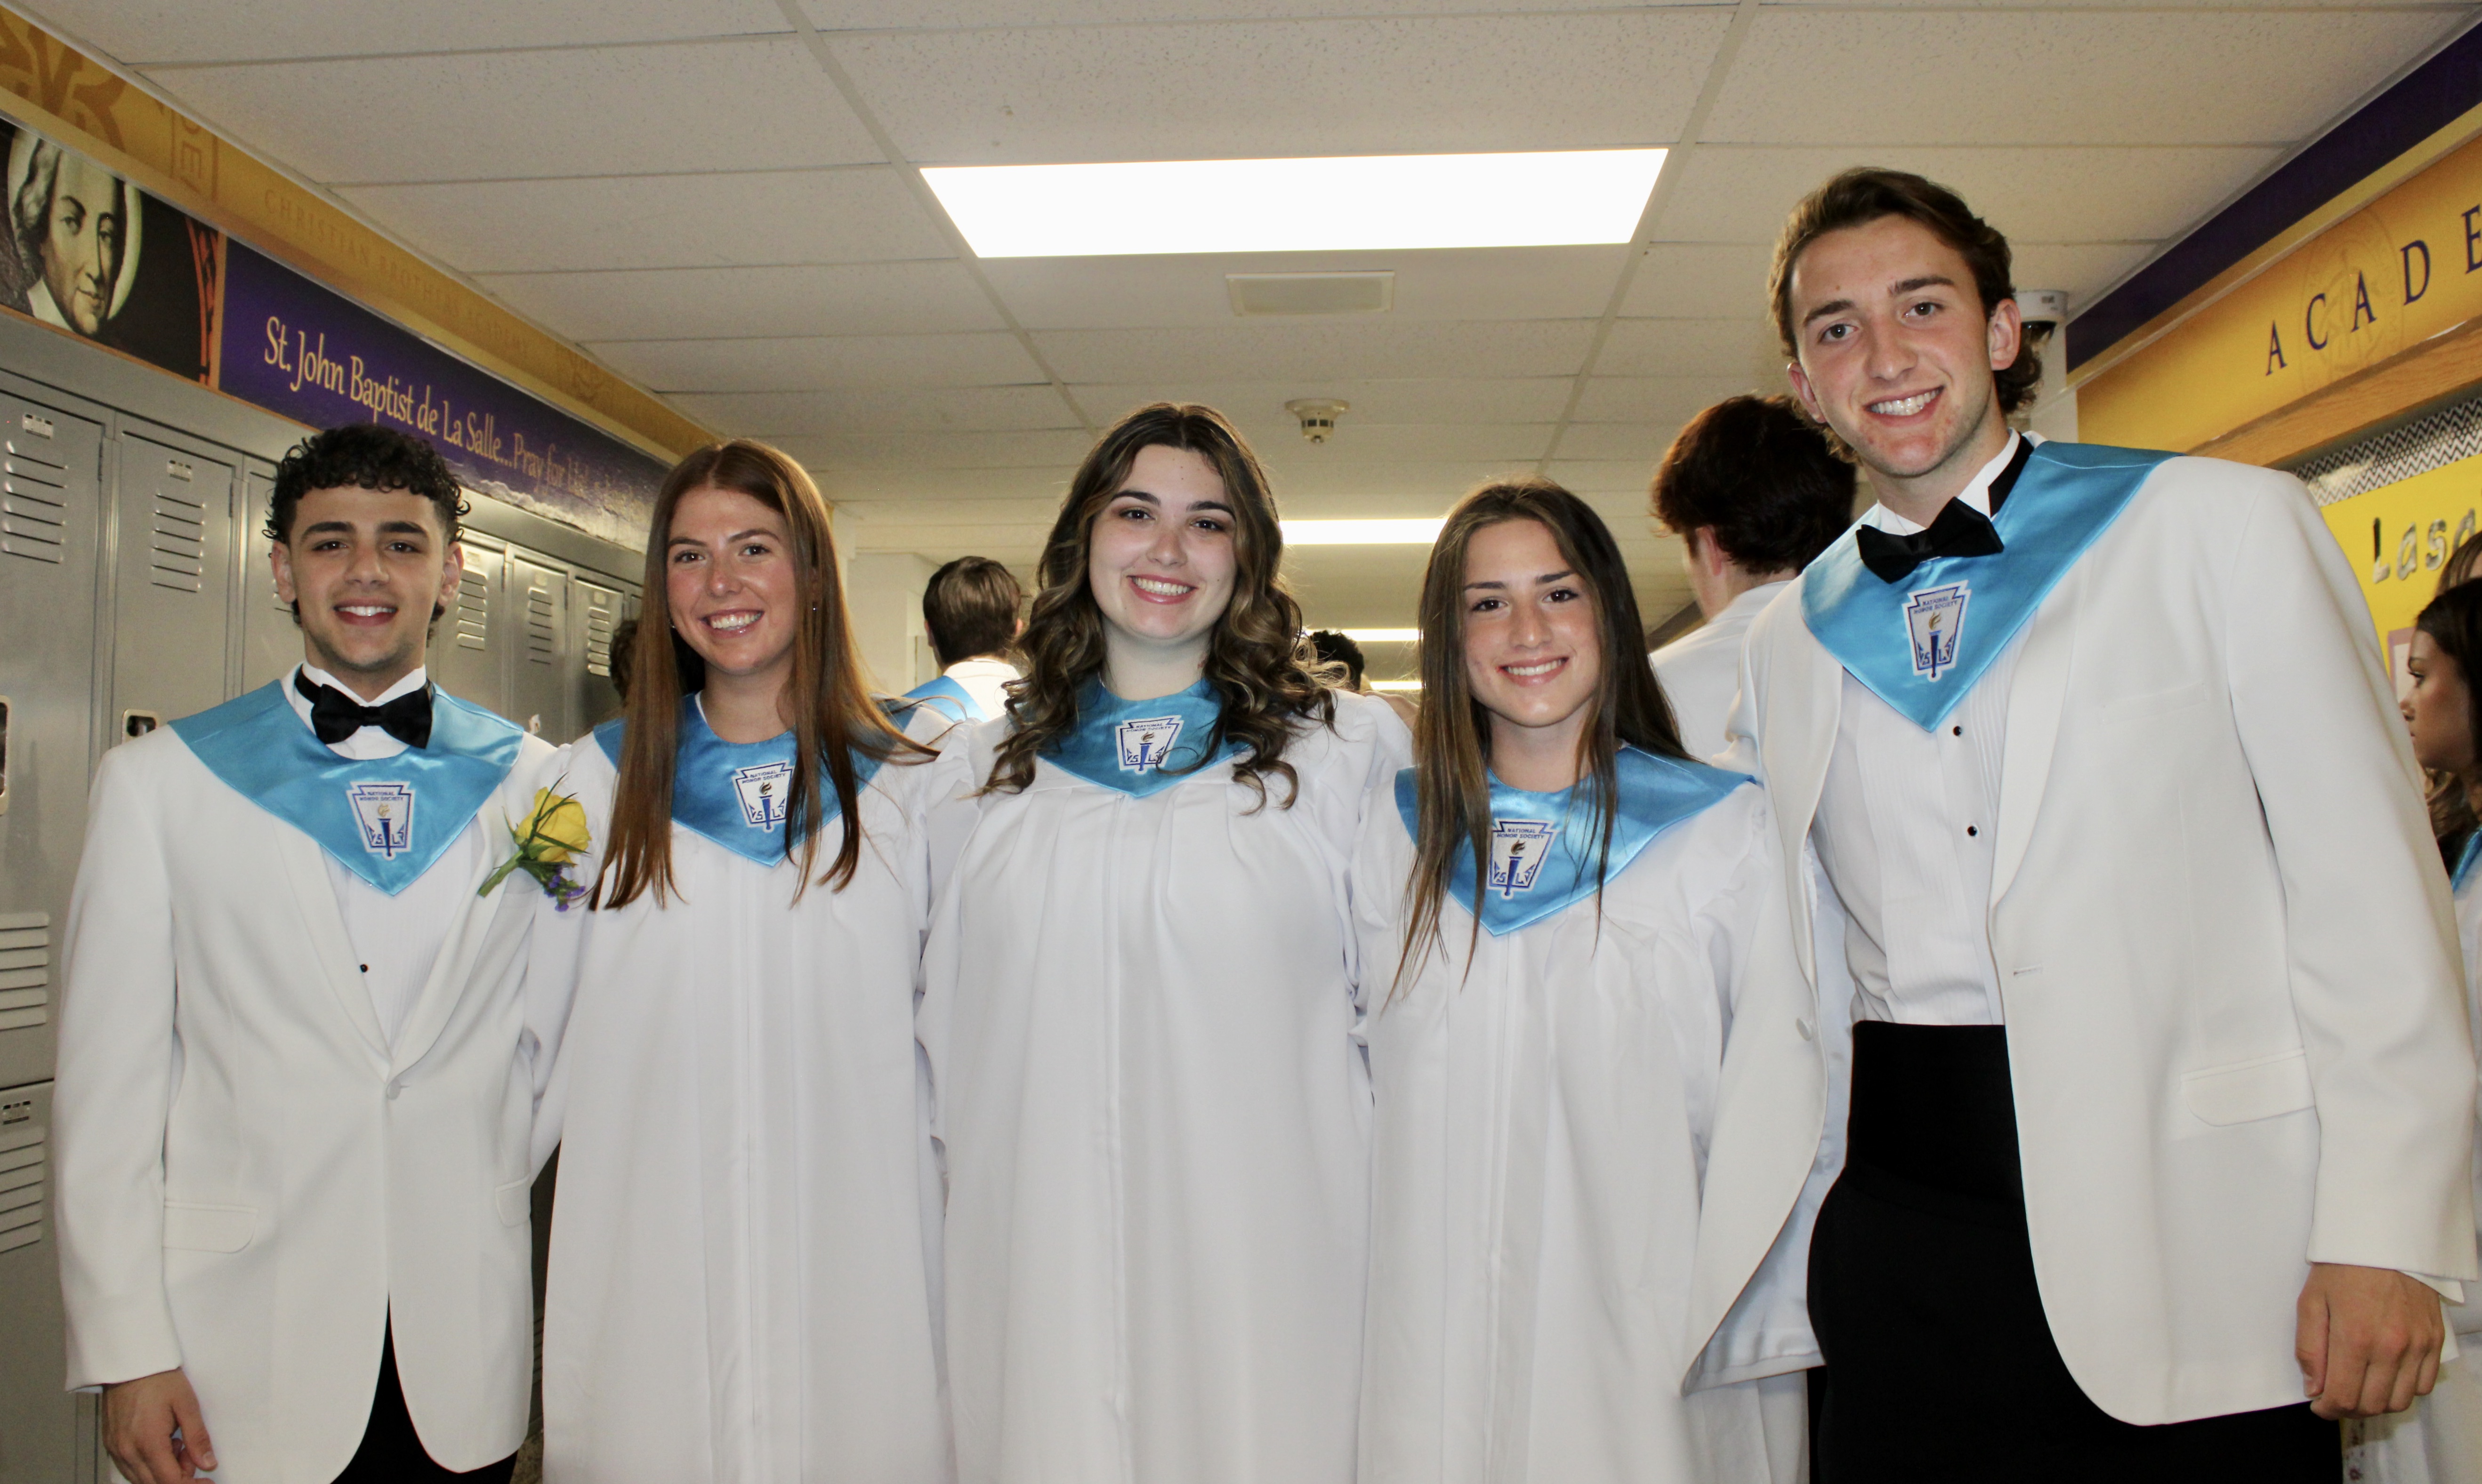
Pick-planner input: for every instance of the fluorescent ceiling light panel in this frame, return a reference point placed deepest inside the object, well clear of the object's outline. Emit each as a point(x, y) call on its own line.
point(1362, 533)
point(1395, 685)
point(1384, 636)
point(1554, 198)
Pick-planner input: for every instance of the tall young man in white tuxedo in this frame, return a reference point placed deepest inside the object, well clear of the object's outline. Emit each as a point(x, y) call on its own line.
point(2161, 1095)
point(299, 1062)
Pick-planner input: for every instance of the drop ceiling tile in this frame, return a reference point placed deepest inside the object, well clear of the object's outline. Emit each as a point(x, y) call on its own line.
point(892, 487)
point(1730, 348)
point(1036, 509)
point(602, 111)
point(724, 219)
point(1681, 281)
point(1495, 283)
point(858, 411)
point(1255, 351)
point(1615, 486)
point(980, 14)
point(681, 303)
point(1317, 490)
point(1666, 401)
point(1279, 437)
point(1435, 399)
point(2086, 269)
point(2098, 193)
point(2174, 75)
point(820, 363)
point(1637, 443)
point(137, 33)
point(1260, 89)
point(1039, 448)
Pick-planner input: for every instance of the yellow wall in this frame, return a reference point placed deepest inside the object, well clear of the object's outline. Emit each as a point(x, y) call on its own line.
point(2418, 522)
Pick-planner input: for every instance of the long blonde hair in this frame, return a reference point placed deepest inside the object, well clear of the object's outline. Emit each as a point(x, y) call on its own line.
point(832, 712)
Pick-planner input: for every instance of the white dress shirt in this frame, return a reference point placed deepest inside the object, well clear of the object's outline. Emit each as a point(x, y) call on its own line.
point(982, 678)
point(395, 938)
point(1905, 831)
point(1700, 670)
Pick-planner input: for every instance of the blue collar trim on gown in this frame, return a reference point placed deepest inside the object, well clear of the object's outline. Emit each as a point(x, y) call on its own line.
point(949, 698)
point(1543, 845)
point(734, 794)
point(2463, 874)
point(1921, 643)
point(1144, 747)
point(385, 820)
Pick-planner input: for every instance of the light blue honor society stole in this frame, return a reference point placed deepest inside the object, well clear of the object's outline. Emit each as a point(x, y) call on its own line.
point(735, 794)
point(2463, 875)
point(385, 820)
point(948, 698)
point(1920, 644)
point(1142, 747)
point(1544, 847)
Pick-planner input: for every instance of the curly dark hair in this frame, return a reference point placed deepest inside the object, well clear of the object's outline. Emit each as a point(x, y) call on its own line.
point(1760, 474)
point(1860, 196)
point(1257, 658)
point(368, 457)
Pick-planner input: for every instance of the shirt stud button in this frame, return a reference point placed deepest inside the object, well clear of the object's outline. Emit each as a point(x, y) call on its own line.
point(393, 1089)
point(1956, 731)
point(1970, 830)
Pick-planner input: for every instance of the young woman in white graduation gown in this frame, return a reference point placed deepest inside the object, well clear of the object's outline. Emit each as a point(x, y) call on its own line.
point(1138, 1002)
point(744, 1242)
point(1597, 1082)
point(2440, 1438)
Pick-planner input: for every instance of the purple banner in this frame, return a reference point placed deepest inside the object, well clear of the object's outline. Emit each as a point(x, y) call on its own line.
point(304, 352)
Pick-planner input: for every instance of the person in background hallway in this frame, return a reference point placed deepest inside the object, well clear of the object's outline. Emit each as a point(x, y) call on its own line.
point(625, 653)
point(742, 1284)
point(2441, 1441)
point(2162, 1099)
point(1335, 648)
point(1754, 492)
point(307, 1021)
point(1138, 1001)
point(970, 612)
point(1598, 1090)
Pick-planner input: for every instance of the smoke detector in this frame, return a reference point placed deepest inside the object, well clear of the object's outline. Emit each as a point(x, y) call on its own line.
point(1318, 415)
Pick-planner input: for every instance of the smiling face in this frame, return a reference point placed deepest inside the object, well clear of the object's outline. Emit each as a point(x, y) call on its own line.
point(731, 583)
point(81, 242)
point(1161, 560)
point(366, 569)
point(2439, 709)
point(1896, 353)
point(1534, 656)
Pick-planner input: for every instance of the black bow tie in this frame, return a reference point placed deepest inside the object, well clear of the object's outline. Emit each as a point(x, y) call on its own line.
point(336, 716)
point(1959, 530)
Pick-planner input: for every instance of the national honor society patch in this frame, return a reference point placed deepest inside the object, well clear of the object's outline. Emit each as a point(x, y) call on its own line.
point(1517, 849)
point(1933, 621)
point(1146, 741)
point(761, 791)
point(384, 811)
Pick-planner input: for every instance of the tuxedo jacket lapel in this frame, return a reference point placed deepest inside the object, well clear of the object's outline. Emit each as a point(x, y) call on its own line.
point(476, 920)
point(305, 872)
point(1803, 704)
point(2035, 698)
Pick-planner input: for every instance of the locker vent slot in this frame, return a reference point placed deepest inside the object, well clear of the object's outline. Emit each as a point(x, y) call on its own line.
point(33, 501)
point(474, 611)
point(24, 1164)
point(178, 558)
point(598, 640)
point(25, 970)
point(542, 639)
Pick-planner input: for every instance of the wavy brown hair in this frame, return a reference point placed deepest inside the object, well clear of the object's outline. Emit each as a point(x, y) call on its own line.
point(831, 707)
point(1452, 731)
point(1257, 660)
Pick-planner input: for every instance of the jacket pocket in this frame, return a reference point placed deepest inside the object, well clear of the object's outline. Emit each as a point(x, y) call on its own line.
point(515, 1202)
point(195, 1228)
point(2262, 1087)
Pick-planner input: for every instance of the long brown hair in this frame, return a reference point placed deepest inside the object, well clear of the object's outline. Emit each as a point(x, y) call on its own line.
point(831, 708)
point(1452, 731)
point(1257, 658)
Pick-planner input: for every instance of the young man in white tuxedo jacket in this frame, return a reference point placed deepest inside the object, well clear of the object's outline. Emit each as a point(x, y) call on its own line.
point(2162, 1096)
point(300, 1058)
point(1754, 491)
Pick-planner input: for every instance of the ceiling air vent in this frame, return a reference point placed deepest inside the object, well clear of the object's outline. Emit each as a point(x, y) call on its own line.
point(1371, 292)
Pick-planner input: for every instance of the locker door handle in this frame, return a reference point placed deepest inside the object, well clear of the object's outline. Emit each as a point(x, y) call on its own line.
point(8, 714)
point(138, 723)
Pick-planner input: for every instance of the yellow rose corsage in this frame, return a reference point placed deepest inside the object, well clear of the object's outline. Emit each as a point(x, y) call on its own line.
point(553, 835)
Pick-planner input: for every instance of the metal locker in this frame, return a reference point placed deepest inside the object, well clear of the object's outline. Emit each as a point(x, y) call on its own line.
point(39, 1432)
point(469, 646)
point(599, 609)
point(538, 694)
point(50, 501)
point(271, 642)
point(171, 583)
